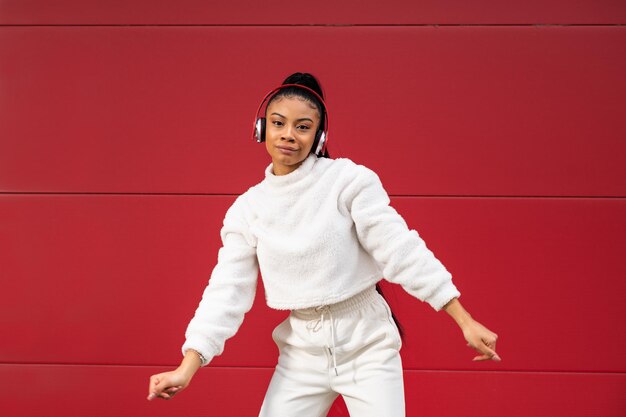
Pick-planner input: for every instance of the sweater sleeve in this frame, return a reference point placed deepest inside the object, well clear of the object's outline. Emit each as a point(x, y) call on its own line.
point(231, 289)
point(401, 253)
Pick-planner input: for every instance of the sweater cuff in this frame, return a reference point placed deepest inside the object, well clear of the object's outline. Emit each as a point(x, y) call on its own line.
point(205, 352)
point(443, 295)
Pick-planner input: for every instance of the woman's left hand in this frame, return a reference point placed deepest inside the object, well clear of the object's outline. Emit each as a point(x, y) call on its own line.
point(481, 339)
point(477, 336)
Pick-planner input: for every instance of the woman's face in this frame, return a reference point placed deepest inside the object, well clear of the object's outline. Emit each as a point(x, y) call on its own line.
point(291, 123)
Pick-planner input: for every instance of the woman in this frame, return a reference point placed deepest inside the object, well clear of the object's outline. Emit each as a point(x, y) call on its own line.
point(323, 234)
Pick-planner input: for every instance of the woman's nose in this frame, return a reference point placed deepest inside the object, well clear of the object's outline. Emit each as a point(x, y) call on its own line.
point(288, 134)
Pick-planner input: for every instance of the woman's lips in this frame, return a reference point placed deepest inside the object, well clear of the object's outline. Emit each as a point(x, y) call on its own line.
point(285, 150)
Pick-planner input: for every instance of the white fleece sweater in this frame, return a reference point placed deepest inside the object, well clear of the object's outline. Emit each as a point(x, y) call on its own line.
point(320, 235)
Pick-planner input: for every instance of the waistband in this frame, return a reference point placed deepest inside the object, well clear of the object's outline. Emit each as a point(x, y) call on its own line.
point(353, 303)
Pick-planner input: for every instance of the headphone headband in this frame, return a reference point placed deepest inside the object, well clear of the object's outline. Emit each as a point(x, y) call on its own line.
point(258, 133)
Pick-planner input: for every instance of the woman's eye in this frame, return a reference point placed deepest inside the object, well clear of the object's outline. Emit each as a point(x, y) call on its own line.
point(277, 123)
point(303, 127)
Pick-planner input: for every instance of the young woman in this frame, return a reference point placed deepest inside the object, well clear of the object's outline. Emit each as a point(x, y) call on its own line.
point(323, 234)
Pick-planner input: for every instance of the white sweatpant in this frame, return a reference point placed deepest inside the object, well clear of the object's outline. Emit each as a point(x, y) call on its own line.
point(350, 348)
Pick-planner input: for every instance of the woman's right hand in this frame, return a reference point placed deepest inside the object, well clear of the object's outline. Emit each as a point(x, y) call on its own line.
point(167, 384)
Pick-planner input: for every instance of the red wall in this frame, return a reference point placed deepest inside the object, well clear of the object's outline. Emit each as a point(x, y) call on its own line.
point(499, 129)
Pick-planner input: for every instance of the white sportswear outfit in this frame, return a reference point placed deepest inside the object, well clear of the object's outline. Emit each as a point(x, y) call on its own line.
point(322, 236)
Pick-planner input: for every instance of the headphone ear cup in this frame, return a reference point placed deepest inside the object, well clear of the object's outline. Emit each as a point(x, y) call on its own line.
point(259, 129)
point(320, 139)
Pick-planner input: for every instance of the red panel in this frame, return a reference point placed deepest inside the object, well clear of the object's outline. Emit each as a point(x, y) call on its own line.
point(324, 12)
point(99, 279)
point(514, 394)
point(107, 391)
point(535, 111)
point(115, 279)
point(545, 274)
point(113, 391)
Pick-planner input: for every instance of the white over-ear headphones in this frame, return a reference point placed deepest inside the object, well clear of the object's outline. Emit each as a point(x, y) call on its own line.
point(321, 136)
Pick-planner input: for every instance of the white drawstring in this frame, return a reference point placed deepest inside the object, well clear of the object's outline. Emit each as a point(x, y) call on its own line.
point(319, 324)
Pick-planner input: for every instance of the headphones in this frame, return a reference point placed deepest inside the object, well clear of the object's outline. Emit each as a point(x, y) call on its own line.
point(321, 136)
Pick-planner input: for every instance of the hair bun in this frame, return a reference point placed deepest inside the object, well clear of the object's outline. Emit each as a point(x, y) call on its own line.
point(305, 79)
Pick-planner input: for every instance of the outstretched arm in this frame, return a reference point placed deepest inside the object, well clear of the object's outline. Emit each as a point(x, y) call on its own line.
point(228, 296)
point(477, 336)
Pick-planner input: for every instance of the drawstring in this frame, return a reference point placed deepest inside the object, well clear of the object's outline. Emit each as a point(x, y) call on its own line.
point(314, 318)
point(319, 324)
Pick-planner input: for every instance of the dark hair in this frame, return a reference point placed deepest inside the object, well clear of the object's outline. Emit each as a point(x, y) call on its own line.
point(307, 80)
point(393, 316)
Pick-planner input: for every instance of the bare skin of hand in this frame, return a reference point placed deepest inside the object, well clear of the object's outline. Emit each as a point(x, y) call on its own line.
point(482, 340)
point(478, 337)
point(167, 384)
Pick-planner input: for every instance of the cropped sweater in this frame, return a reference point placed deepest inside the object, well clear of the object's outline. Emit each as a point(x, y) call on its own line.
point(319, 235)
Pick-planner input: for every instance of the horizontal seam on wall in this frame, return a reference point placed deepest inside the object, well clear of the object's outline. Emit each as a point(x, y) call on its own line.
point(330, 25)
point(82, 193)
point(441, 371)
